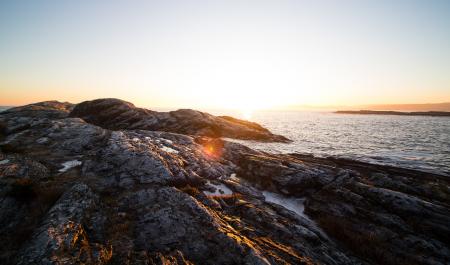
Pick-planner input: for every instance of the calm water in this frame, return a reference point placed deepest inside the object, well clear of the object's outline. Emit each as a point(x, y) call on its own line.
point(407, 141)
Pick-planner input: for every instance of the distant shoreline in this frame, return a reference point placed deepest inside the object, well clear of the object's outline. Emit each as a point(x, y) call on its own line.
point(415, 113)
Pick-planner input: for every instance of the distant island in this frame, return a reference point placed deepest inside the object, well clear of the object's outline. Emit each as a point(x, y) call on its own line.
point(424, 107)
point(379, 112)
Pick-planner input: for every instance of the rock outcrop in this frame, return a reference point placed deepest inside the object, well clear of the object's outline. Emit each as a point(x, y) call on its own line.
point(115, 114)
point(84, 189)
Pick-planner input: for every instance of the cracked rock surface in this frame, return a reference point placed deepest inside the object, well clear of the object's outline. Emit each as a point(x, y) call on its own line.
point(104, 182)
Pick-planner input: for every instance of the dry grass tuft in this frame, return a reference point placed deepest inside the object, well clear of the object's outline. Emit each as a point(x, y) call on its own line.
point(193, 191)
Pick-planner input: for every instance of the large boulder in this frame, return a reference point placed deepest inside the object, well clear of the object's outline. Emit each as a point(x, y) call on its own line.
point(117, 114)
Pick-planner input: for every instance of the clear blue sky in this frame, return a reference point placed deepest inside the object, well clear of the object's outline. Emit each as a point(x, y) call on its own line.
point(232, 54)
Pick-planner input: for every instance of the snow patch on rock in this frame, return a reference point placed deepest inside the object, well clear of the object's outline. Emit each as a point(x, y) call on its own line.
point(293, 204)
point(70, 164)
point(169, 150)
point(296, 205)
point(167, 140)
point(233, 177)
point(42, 140)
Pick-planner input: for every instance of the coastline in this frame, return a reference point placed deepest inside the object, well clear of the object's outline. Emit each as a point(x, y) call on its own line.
point(71, 181)
point(379, 112)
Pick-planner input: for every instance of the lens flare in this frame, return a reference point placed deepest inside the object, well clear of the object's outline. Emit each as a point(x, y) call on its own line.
point(211, 147)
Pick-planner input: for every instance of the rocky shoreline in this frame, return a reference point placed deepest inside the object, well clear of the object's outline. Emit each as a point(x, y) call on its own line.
point(104, 182)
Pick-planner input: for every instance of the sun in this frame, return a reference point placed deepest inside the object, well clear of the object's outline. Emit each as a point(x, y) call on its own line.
point(246, 114)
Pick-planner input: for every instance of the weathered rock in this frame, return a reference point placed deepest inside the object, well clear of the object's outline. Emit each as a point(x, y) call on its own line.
point(45, 109)
point(108, 189)
point(168, 219)
point(116, 114)
point(61, 238)
point(386, 223)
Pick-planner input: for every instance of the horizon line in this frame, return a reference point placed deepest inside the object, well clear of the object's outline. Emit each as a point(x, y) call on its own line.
point(291, 107)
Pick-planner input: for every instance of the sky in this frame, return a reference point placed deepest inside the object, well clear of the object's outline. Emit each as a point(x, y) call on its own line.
point(226, 54)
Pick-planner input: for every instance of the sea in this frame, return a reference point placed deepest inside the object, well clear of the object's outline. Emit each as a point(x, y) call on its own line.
point(414, 142)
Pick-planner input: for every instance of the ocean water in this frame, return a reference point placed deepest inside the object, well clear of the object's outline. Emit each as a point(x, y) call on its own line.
point(414, 142)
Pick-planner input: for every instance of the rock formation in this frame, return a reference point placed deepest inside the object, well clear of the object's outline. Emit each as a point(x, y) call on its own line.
point(103, 182)
point(115, 114)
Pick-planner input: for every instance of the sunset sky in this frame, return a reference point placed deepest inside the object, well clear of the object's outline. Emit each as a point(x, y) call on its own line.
point(226, 54)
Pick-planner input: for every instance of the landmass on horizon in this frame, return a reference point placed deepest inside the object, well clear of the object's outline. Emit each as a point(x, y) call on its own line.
point(382, 112)
point(445, 106)
point(425, 107)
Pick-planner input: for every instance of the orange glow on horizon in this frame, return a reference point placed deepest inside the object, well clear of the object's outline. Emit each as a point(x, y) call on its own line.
point(246, 102)
point(233, 55)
